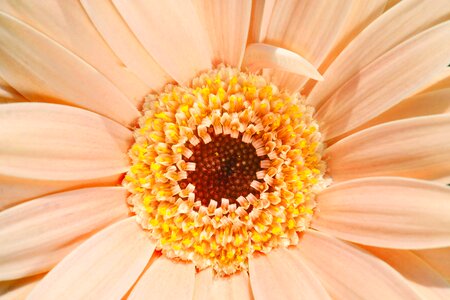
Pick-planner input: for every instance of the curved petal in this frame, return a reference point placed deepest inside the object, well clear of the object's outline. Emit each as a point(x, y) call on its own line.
point(105, 274)
point(38, 234)
point(348, 272)
point(383, 34)
point(261, 14)
point(282, 274)
point(261, 55)
point(392, 149)
point(42, 70)
point(438, 259)
point(389, 212)
point(18, 289)
point(15, 190)
point(166, 279)
point(234, 287)
point(309, 28)
point(58, 142)
point(394, 76)
point(227, 24)
point(125, 45)
point(427, 282)
point(181, 47)
point(70, 27)
point(8, 94)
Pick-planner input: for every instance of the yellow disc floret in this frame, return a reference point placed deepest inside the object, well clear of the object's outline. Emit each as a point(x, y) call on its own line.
point(222, 233)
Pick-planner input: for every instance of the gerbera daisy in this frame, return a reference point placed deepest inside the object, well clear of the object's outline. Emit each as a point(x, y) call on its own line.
point(224, 149)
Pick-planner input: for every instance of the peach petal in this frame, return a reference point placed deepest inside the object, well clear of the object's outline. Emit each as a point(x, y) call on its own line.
point(18, 289)
point(379, 37)
point(107, 264)
point(234, 287)
point(57, 142)
point(438, 259)
point(70, 27)
point(389, 212)
point(259, 22)
point(309, 28)
point(15, 190)
point(348, 272)
point(123, 42)
point(358, 155)
point(8, 94)
point(38, 234)
point(227, 24)
point(180, 47)
point(427, 282)
point(385, 82)
point(282, 274)
point(166, 279)
point(261, 55)
point(43, 70)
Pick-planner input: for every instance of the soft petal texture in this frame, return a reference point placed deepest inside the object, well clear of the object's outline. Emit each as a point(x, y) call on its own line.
point(18, 289)
point(394, 76)
point(15, 190)
point(261, 55)
point(210, 287)
point(171, 32)
point(392, 149)
point(427, 282)
point(107, 264)
point(349, 272)
point(69, 26)
point(438, 259)
point(390, 212)
point(57, 142)
point(227, 24)
point(261, 14)
point(43, 70)
point(309, 28)
point(36, 235)
point(282, 274)
point(166, 279)
point(379, 37)
point(123, 42)
point(8, 94)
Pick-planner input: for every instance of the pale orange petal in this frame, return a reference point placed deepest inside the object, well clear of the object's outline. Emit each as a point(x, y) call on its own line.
point(261, 14)
point(227, 24)
point(58, 142)
point(438, 259)
point(309, 28)
point(14, 190)
point(18, 289)
point(389, 212)
point(8, 94)
point(43, 70)
point(70, 27)
point(349, 272)
point(38, 234)
point(383, 34)
point(393, 149)
point(394, 76)
point(233, 287)
point(103, 267)
point(427, 282)
point(124, 43)
point(282, 274)
point(259, 55)
point(171, 32)
point(166, 279)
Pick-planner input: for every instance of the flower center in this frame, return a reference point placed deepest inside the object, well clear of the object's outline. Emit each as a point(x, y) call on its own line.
point(224, 168)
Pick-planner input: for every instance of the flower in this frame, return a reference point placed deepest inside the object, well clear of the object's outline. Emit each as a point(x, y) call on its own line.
point(224, 149)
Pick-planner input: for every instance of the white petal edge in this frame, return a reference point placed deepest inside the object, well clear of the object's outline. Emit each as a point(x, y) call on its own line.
point(388, 212)
point(107, 265)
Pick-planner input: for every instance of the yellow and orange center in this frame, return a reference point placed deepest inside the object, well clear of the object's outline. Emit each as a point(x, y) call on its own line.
point(224, 168)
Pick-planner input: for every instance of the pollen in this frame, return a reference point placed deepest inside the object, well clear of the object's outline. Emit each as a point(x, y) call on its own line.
point(224, 168)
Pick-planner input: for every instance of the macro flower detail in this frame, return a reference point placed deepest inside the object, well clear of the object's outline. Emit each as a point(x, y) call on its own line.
point(238, 149)
point(225, 168)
